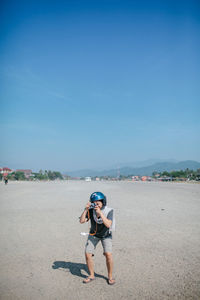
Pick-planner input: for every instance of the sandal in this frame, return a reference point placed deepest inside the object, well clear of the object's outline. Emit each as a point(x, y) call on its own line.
point(88, 279)
point(111, 281)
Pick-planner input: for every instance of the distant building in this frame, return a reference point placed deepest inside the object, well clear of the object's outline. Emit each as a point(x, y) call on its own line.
point(26, 172)
point(5, 171)
point(166, 178)
point(135, 178)
point(144, 178)
point(157, 175)
point(88, 179)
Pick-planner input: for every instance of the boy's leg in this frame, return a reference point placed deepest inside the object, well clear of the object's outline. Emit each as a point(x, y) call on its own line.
point(107, 246)
point(109, 264)
point(89, 252)
point(90, 264)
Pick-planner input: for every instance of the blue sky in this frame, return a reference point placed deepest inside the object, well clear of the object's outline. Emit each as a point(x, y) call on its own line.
point(90, 84)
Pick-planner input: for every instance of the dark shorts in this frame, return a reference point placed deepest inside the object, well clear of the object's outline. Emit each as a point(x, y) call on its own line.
point(92, 242)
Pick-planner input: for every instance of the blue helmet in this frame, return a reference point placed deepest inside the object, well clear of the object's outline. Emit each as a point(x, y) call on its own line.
point(98, 196)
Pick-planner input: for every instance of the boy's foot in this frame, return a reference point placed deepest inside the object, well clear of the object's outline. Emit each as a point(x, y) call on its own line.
point(88, 279)
point(111, 281)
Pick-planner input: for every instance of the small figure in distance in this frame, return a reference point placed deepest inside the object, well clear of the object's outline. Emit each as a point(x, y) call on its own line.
point(102, 224)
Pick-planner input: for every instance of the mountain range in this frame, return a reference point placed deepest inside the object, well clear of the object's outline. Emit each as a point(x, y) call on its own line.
point(160, 166)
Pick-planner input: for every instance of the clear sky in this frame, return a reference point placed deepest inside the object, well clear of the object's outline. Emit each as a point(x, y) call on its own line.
point(87, 84)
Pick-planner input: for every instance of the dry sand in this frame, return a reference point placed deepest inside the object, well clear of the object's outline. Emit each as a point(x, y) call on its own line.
point(156, 245)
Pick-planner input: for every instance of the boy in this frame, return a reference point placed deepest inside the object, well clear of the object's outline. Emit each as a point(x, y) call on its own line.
point(102, 221)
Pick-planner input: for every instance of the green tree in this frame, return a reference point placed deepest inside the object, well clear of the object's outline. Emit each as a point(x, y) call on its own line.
point(58, 175)
point(165, 173)
point(40, 176)
point(19, 176)
point(52, 175)
point(11, 176)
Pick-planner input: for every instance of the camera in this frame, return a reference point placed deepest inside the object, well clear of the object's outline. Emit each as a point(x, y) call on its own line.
point(93, 205)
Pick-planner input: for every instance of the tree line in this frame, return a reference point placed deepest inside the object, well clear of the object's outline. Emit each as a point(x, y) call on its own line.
point(187, 174)
point(41, 175)
point(48, 175)
point(54, 175)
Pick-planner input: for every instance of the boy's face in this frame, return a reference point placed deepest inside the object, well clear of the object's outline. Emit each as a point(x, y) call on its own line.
point(99, 204)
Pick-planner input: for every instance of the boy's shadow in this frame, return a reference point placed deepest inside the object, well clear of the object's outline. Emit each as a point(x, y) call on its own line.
point(74, 268)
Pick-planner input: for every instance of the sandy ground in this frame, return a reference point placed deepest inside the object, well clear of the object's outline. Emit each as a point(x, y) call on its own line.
point(156, 245)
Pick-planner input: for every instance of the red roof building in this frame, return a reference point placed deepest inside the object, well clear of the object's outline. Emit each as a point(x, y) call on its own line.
point(5, 171)
point(26, 172)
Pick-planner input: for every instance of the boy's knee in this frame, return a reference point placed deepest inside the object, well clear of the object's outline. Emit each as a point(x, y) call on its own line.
point(88, 255)
point(108, 255)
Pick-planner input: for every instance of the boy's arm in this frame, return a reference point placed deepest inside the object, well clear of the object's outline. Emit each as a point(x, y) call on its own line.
point(105, 220)
point(83, 218)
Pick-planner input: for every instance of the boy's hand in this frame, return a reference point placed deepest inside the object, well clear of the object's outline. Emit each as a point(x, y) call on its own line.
point(87, 205)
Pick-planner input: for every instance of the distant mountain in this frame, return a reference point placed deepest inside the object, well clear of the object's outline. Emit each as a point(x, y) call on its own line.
point(115, 168)
point(143, 163)
point(161, 167)
point(147, 170)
